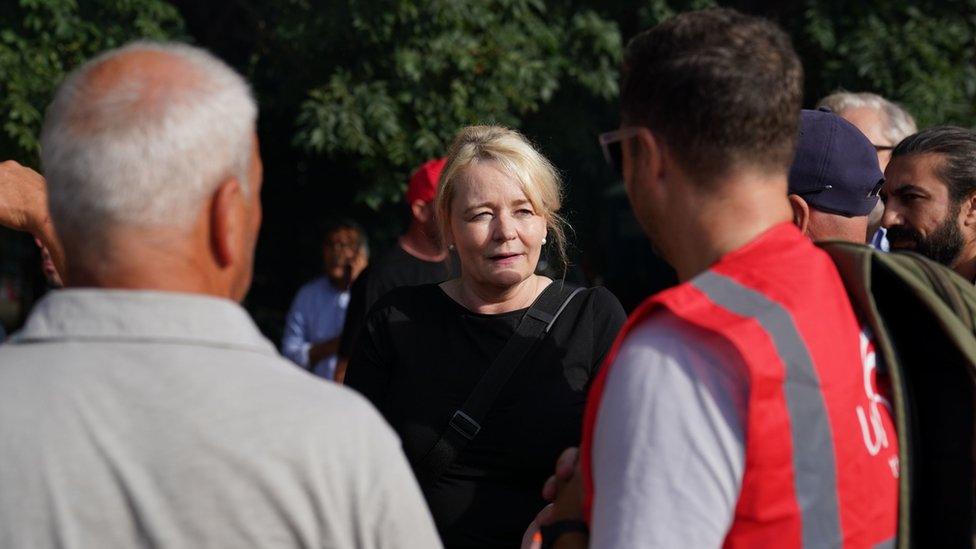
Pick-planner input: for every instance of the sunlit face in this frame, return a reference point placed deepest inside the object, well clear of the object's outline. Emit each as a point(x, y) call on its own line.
point(495, 229)
point(919, 212)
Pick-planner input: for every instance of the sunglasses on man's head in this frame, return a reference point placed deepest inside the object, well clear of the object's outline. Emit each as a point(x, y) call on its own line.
point(612, 145)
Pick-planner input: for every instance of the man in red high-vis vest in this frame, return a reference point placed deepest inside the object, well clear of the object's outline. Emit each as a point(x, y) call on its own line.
point(743, 407)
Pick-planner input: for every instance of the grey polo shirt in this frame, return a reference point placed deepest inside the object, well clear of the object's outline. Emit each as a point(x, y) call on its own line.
point(135, 418)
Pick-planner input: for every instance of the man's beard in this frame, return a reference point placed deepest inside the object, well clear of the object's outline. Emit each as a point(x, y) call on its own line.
point(942, 245)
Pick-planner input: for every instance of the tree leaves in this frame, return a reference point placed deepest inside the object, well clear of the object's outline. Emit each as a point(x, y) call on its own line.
point(41, 40)
point(422, 70)
point(379, 86)
point(920, 54)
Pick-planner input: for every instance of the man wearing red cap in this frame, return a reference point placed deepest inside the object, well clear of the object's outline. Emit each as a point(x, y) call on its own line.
point(418, 258)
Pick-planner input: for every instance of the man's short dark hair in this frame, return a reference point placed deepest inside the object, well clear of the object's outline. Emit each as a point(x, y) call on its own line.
point(721, 88)
point(958, 149)
point(331, 226)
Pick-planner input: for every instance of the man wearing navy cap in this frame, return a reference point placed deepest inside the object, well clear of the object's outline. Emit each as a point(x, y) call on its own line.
point(834, 180)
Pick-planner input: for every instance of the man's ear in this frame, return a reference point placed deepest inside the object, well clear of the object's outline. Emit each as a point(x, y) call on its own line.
point(968, 211)
point(227, 222)
point(421, 211)
point(646, 157)
point(801, 212)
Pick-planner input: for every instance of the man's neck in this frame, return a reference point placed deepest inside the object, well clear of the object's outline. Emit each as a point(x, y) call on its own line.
point(145, 264)
point(710, 224)
point(421, 245)
point(967, 267)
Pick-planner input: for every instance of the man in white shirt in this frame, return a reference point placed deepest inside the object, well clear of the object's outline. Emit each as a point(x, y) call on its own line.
point(140, 406)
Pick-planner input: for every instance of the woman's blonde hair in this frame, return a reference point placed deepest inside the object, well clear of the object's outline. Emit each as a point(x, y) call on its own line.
point(514, 155)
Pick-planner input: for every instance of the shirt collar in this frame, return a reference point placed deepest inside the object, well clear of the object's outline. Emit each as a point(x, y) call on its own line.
point(142, 315)
point(325, 286)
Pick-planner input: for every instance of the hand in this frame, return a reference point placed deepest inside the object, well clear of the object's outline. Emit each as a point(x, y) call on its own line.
point(322, 350)
point(23, 207)
point(23, 198)
point(564, 489)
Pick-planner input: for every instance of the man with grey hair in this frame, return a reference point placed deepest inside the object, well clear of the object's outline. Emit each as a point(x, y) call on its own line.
point(140, 406)
point(885, 124)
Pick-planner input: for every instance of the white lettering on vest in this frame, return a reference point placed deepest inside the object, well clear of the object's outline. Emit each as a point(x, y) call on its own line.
point(872, 427)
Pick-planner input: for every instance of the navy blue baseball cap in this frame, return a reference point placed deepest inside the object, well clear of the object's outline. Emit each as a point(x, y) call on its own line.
point(836, 167)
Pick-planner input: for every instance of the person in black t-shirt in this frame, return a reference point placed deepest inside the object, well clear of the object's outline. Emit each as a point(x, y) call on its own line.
point(424, 348)
point(419, 257)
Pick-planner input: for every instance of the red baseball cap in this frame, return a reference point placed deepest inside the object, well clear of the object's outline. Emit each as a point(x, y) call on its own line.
point(423, 183)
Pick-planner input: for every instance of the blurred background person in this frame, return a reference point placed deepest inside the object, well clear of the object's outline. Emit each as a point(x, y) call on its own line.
point(930, 197)
point(885, 124)
point(834, 180)
point(419, 257)
point(424, 348)
point(314, 321)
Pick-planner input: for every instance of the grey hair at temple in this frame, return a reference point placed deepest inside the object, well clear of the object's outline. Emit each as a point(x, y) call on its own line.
point(899, 124)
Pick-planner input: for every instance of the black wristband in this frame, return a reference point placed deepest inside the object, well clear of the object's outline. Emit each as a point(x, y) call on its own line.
point(551, 532)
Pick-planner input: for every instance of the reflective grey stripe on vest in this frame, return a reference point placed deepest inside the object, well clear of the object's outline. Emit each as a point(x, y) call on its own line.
point(813, 447)
point(887, 544)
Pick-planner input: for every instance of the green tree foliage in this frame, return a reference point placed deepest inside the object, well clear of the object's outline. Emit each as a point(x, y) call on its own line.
point(422, 69)
point(40, 40)
point(920, 53)
point(377, 86)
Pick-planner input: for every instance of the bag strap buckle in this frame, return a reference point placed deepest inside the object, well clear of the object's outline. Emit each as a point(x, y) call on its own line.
point(464, 424)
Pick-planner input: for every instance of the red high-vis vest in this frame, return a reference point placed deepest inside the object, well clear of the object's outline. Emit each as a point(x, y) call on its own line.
point(821, 452)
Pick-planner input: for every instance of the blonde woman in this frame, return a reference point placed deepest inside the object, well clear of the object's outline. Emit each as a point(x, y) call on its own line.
point(426, 348)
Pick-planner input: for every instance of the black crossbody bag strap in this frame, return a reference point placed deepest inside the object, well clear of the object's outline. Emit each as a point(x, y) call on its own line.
point(466, 421)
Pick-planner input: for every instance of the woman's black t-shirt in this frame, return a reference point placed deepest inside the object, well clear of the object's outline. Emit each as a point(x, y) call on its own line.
point(420, 356)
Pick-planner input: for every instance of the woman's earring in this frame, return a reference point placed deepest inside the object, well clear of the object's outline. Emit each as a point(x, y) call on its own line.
point(543, 241)
point(450, 247)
